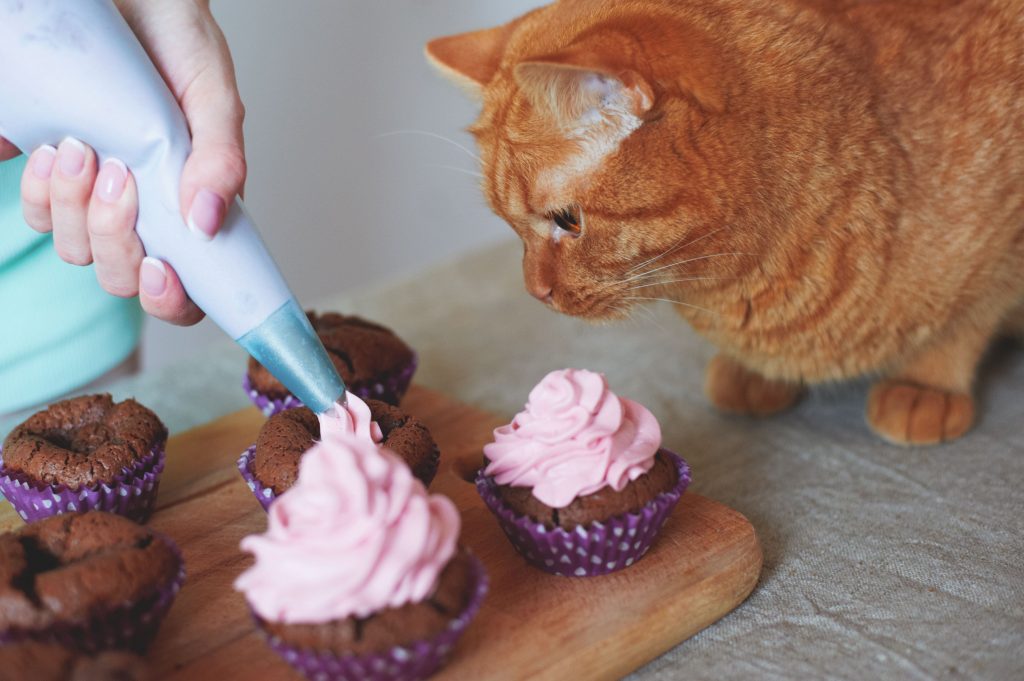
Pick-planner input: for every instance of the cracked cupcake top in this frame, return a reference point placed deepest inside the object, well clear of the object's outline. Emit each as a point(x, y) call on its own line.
point(82, 441)
point(67, 566)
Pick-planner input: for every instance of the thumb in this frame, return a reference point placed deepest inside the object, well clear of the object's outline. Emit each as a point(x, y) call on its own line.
point(214, 173)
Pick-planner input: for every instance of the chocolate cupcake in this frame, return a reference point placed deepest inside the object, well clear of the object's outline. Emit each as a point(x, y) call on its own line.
point(90, 581)
point(578, 480)
point(82, 454)
point(359, 575)
point(52, 662)
point(372, 361)
point(271, 466)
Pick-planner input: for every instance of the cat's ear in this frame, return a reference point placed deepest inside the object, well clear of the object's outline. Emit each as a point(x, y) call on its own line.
point(574, 92)
point(470, 59)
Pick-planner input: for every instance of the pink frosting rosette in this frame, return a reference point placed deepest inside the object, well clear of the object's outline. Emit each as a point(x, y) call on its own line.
point(574, 437)
point(351, 418)
point(355, 535)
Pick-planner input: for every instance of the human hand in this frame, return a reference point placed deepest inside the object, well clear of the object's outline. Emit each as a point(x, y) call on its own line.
point(92, 210)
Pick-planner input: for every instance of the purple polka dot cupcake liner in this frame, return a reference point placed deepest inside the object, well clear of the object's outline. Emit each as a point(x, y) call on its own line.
point(410, 662)
point(589, 550)
point(132, 493)
point(263, 494)
point(132, 626)
point(390, 389)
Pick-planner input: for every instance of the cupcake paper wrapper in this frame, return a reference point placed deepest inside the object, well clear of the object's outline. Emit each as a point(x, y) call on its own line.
point(588, 550)
point(131, 494)
point(390, 389)
point(401, 663)
point(128, 627)
point(263, 494)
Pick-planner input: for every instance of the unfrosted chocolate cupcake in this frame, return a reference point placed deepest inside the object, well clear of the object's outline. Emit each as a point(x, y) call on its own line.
point(272, 464)
point(84, 453)
point(90, 581)
point(34, 661)
point(372, 361)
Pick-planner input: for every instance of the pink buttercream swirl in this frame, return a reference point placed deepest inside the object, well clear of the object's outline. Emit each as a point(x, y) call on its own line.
point(574, 438)
point(355, 535)
point(352, 417)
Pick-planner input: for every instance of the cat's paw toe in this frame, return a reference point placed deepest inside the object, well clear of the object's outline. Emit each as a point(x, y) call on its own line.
point(909, 414)
point(734, 389)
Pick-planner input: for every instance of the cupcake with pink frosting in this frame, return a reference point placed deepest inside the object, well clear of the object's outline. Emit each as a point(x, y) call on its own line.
point(578, 480)
point(359, 575)
point(271, 465)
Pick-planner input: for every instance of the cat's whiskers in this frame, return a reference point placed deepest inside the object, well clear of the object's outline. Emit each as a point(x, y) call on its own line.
point(677, 281)
point(652, 318)
point(456, 169)
point(427, 133)
point(672, 249)
point(677, 264)
point(674, 302)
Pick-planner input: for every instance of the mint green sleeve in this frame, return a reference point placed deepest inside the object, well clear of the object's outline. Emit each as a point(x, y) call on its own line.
point(60, 330)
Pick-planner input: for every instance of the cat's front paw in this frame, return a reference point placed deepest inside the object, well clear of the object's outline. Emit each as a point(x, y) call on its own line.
point(737, 390)
point(909, 414)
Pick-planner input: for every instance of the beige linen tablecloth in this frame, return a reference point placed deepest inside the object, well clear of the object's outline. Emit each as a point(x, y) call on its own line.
point(880, 562)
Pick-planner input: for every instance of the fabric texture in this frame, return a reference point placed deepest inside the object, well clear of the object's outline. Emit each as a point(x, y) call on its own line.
point(61, 330)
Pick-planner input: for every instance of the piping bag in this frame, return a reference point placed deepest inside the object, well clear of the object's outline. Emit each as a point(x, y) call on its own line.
point(74, 68)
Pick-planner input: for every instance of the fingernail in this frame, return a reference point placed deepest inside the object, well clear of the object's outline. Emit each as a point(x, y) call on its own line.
point(71, 157)
point(206, 214)
point(153, 277)
point(42, 161)
point(111, 180)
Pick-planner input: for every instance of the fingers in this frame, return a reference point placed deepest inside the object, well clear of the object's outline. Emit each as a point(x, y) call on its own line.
point(71, 185)
point(215, 171)
point(163, 296)
point(8, 150)
point(92, 214)
point(35, 188)
point(116, 247)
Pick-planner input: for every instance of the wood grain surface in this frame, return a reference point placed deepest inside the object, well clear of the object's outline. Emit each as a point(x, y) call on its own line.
point(532, 625)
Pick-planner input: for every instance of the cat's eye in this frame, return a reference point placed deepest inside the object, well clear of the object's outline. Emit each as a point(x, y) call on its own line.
point(569, 220)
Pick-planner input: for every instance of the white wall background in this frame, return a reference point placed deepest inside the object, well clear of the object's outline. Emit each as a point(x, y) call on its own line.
point(338, 205)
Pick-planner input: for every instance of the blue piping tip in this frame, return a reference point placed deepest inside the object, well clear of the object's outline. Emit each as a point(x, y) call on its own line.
point(289, 348)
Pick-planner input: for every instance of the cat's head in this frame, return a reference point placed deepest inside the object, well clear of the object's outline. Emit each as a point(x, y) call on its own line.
point(589, 144)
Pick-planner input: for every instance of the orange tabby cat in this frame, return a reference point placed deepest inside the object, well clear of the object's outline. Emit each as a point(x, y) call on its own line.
point(827, 188)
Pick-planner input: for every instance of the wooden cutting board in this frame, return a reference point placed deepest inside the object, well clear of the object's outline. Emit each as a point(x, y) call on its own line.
point(532, 625)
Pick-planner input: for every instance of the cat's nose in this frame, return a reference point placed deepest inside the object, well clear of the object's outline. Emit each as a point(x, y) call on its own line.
point(541, 293)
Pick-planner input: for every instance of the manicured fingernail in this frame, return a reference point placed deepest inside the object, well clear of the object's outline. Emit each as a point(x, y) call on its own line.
point(71, 157)
point(206, 214)
point(42, 161)
point(111, 180)
point(153, 277)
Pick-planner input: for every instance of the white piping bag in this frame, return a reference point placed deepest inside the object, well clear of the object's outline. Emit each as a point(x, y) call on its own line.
point(74, 68)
